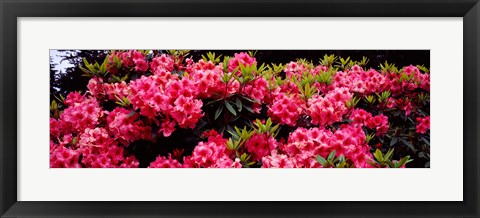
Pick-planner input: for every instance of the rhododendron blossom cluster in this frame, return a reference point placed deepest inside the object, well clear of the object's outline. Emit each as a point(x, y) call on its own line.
point(423, 124)
point(167, 110)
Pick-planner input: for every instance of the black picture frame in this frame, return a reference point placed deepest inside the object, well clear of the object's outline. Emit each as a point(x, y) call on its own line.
point(10, 10)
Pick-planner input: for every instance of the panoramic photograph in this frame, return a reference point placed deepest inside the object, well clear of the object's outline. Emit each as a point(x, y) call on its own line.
point(239, 108)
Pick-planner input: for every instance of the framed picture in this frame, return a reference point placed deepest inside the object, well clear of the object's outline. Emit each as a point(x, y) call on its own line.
point(135, 88)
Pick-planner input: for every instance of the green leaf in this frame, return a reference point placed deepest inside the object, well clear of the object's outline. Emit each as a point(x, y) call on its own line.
point(229, 144)
point(60, 99)
point(124, 78)
point(85, 62)
point(238, 132)
point(274, 128)
point(321, 160)
point(403, 161)
point(218, 112)
point(341, 165)
point(85, 70)
point(75, 140)
point(239, 105)
point(425, 140)
point(389, 154)
point(268, 124)
point(408, 144)
point(231, 129)
point(120, 103)
point(234, 135)
point(331, 156)
point(249, 109)
point(394, 141)
point(53, 106)
point(378, 155)
point(131, 114)
point(126, 100)
point(250, 99)
point(230, 108)
point(118, 98)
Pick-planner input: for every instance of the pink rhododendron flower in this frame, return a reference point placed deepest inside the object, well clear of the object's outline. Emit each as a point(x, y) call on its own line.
point(81, 115)
point(391, 103)
point(119, 59)
point(147, 97)
point(329, 109)
point(286, 109)
point(208, 83)
point(240, 58)
point(62, 157)
point(55, 128)
point(367, 82)
point(423, 124)
point(167, 127)
point(364, 118)
point(122, 123)
point(289, 87)
point(350, 141)
point(201, 65)
point(414, 80)
point(73, 98)
point(141, 64)
point(257, 91)
point(187, 111)
point(96, 88)
point(163, 162)
point(129, 162)
point(304, 144)
point(295, 68)
point(99, 150)
point(260, 145)
point(406, 106)
point(380, 123)
point(162, 64)
point(116, 91)
point(277, 161)
point(210, 154)
point(360, 116)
